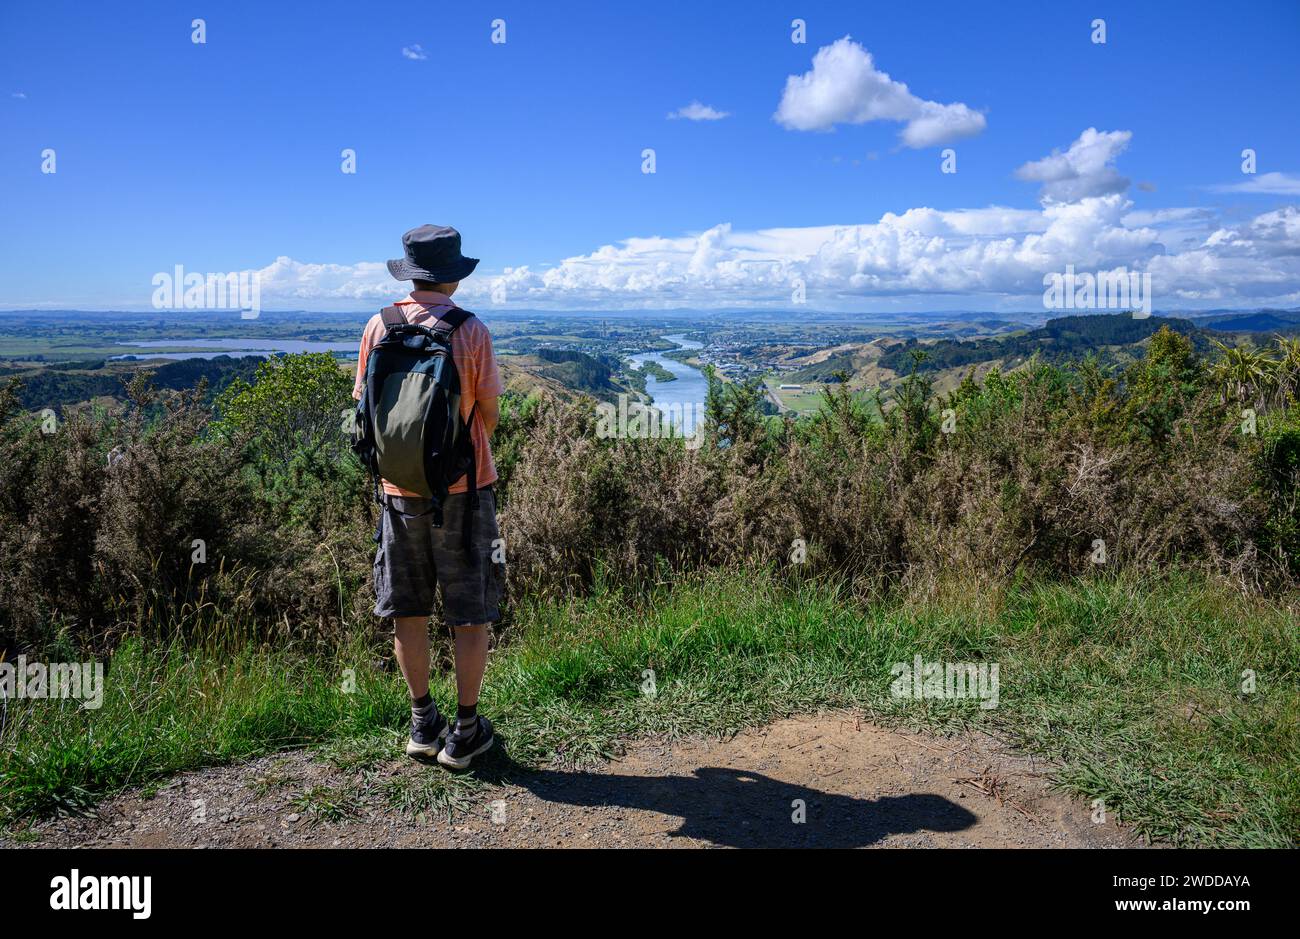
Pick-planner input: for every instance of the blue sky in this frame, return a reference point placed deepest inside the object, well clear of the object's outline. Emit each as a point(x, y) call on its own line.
point(225, 156)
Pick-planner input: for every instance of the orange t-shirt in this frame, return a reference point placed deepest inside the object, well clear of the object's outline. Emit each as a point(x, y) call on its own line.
point(471, 349)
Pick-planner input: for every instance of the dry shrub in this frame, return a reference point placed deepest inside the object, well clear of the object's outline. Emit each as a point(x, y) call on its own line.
point(167, 492)
point(49, 501)
point(579, 505)
point(1029, 479)
point(1035, 471)
point(99, 523)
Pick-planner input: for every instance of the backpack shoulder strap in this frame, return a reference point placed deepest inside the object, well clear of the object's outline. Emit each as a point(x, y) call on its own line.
point(450, 321)
point(392, 316)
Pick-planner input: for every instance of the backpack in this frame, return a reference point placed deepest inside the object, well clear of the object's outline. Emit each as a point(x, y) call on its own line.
point(408, 428)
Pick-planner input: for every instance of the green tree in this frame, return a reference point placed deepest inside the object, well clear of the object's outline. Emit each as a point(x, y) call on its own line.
point(1161, 386)
point(732, 408)
point(911, 416)
point(296, 404)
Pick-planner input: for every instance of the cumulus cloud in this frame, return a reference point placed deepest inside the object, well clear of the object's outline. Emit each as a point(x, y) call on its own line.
point(845, 87)
point(1259, 260)
point(695, 111)
point(1276, 233)
point(994, 256)
point(1265, 184)
point(414, 52)
point(290, 280)
point(1085, 169)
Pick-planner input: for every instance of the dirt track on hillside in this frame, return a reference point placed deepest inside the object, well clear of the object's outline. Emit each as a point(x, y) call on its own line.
point(859, 786)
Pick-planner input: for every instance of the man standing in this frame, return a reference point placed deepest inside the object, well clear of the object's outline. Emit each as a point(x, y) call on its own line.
point(414, 554)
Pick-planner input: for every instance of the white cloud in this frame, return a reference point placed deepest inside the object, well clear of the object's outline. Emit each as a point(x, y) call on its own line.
point(845, 87)
point(288, 279)
point(993, 256)
point(1256, 260)
point(1162, 216)
point(1265, 184)
point(19, 94)
point(1276, 232)
point(414, 52)
point(695, 111)
point(1084, 170)
point(1180, 228)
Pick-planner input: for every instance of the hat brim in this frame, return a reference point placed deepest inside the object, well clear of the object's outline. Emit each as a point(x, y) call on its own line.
point(402, 269)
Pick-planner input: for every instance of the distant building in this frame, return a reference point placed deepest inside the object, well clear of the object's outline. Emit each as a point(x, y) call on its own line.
point(792, 387)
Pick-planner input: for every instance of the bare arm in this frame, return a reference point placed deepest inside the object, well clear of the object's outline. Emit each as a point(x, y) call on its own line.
point(489, 411)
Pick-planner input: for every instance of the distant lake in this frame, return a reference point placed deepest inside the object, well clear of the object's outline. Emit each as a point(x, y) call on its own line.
point(682, 398)
point(234, 347)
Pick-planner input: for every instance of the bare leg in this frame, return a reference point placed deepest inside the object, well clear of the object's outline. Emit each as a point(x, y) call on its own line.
point(411, 646)
point(471, 660)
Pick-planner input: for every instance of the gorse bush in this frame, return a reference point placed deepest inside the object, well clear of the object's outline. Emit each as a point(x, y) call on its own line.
point(1276, 476)
point(1060, 469)
point(168, 506)
point(156, 516)
point(1057, 470)
point(49, 486)
point(102, 517)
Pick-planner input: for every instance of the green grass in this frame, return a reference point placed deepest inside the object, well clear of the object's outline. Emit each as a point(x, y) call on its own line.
point(328, 803)
point(1134, 687)
point(806, 401)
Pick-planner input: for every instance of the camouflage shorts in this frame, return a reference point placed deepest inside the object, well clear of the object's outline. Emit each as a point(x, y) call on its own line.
point(415, 557)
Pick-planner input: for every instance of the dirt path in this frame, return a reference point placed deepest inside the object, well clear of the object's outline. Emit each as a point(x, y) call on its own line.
point(859, 785)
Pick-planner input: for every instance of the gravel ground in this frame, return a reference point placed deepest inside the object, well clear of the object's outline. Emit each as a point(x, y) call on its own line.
point(823, 781)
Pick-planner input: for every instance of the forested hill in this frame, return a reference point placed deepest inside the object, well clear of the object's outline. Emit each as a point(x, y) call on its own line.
point(1260, 321)
point(73, 382)
point(1064, 338)
point(579, 371)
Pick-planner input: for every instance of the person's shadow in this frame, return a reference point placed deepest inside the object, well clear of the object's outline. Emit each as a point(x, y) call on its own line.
point(743, 809)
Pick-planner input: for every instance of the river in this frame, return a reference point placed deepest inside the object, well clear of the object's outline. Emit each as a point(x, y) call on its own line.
point(683, 398)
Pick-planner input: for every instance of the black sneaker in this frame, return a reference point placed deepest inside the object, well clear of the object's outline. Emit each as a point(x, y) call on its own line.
point(426, 738)
point(460, 750)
